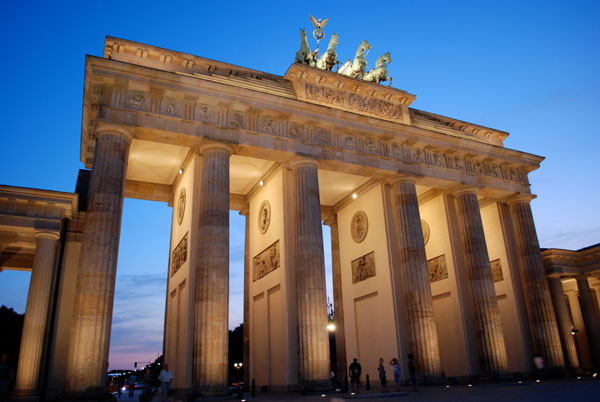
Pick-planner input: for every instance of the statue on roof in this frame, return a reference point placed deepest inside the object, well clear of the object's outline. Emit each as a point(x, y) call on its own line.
point(303, 56)
point(380, 72)
point(319, 25)
point(356, 68)
point(329, 58)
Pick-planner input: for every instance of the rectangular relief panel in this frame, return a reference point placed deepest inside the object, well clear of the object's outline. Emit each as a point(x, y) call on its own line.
point(437, 268)
point(363, 267)
point(497, 270)
point(266, 262)
point(179, 255)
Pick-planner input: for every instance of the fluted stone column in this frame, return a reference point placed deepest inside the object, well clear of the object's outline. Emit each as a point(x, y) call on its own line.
point(592, 326)
point(212, 271)
point(338, 308)
point(488, 329)
point(313, 339)
point(539, 303)
point(423, 336)
point(93, 305)
point(36, 313)
point(564, 322)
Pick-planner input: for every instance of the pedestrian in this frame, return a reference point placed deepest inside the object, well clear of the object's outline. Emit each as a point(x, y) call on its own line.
point(538, 361)
point(132, 379)
point(147, 393)
point(412, 371)
point(397, 372)
point(355, 371)
point(165, 378)
point(382, 376)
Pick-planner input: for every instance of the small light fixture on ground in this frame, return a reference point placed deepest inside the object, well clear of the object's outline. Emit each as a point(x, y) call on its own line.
point(537, 380)
point(470, 385)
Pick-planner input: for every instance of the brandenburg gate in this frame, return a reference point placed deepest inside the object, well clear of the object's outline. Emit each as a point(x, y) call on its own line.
point(434, 249)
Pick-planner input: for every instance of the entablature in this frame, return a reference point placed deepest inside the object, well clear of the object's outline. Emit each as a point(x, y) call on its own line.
point(183, 110)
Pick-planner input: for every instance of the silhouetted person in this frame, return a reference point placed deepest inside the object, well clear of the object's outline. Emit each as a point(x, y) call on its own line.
point(412, 371)
point(165, 378)
point(132, 379)
point(355, 371)
point(382, 376)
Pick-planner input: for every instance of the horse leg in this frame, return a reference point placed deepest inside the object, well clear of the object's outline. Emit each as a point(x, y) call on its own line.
point(390, 81)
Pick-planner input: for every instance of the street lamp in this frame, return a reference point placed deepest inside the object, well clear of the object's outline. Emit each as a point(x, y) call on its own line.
point(331, 327)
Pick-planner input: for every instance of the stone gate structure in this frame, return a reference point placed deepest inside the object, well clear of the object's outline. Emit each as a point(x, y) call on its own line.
point(434, 248)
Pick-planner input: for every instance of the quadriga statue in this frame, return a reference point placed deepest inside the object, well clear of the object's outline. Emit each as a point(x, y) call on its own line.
point(303, 56)
point(329, 58)
point(380, 72)
point(356, 68)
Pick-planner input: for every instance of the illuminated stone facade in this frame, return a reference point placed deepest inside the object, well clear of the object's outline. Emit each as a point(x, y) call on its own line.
point(398, 186)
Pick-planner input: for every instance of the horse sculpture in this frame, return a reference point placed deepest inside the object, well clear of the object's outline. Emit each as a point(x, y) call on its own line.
point(356, 69)
point(303, 56)
point(380, 72)
point(329, 58)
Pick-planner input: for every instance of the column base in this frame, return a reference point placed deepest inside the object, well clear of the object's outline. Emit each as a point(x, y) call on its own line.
point(315, 386)
point(91, 394)
point(24, 395)
point(215, 392)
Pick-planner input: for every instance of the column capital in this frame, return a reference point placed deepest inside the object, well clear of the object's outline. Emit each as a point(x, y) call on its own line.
point(521, 197)
point(47, 234)
point(215, 145)
point(330, 219)
point(465, 189)
point(300, 161)
point(104, 128)
point(401, 178)
point(245, 210)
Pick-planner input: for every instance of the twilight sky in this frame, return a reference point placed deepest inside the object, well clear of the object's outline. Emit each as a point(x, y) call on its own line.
point(527, 67)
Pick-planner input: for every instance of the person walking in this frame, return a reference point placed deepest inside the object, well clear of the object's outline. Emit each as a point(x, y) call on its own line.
point(132, 379)
point(165, 377)
point(412, 371)
point(397, 372)
point(355, 371)
point(382, 376)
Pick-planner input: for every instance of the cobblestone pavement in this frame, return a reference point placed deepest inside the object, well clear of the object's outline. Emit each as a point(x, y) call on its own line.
point(545, 391)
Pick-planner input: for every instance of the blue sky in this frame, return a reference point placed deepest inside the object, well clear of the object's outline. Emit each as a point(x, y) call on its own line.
point(526, 67)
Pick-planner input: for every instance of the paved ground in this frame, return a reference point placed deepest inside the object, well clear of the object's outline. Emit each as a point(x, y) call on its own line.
point(546, 391)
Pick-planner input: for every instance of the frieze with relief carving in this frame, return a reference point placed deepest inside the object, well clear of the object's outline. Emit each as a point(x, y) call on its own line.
point(353, 102)
point(437, 268)
point(496, 270)
point(222, 116)
point(179, 255)
point(363, 267)
point(266, 262)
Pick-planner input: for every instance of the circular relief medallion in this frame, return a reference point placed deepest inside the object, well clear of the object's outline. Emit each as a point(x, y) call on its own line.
point(264, 216)
point(181, 206)
point(425, 229)
point(359, 226)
